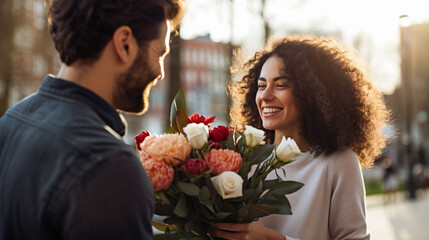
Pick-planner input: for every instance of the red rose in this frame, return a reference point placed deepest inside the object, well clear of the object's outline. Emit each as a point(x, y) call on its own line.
point(195, 166)
point(201, 119)
point(219, 134)
point(140, 138)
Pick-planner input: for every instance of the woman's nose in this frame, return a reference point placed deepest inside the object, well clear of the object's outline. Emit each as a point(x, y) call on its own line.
point(267, 94)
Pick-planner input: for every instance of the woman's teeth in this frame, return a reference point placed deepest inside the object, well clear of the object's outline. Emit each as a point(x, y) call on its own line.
point(272, 110)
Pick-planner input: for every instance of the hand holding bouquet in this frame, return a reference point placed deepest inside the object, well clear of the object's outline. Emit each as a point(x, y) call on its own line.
point(202, 175)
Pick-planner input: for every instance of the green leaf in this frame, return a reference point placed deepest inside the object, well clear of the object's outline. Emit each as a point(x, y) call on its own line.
point(181, 120)
point(284, 187)
point(244, 211)
point(170, 130)
point(194, 227)
point(173, 220)
point(181, 209)
point(249, 194)
point(260, 154)
point(173, 122)
point(178, 104)
point(208, 204)
point(230, 142)
point(228, 206)
point(269, 183)
point(180, 101)
point(163, 236)
point(240, 143)
point(222, 215)
point(189, 188)
point(244, 172)
point(204, 193)
point(163, 209)
point(280, 202)
point(238, 136)
point(260, 210)
point(204, 211)
point(161, 226)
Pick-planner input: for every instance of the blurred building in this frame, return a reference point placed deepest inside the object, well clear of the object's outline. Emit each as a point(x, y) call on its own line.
point(204, 70)
point(414, 89)
point(204, 74)
point(32, 55)
point(410, 107)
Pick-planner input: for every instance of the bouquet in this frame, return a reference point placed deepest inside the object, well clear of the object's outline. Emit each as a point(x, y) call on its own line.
point(202, 175)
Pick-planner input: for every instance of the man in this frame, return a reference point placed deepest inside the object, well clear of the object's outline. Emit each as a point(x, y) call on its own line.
point(64, 171)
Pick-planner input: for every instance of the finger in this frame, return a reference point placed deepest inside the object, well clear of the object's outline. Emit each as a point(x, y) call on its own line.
point(235, 227)
point(229, 235)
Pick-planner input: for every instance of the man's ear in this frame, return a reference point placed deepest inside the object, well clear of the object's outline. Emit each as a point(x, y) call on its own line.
point(124, 44)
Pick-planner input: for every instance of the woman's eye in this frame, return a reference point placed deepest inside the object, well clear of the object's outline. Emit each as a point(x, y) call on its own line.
point(261, 86)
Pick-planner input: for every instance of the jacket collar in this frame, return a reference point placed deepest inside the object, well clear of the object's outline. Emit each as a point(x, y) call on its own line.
point(71, 90)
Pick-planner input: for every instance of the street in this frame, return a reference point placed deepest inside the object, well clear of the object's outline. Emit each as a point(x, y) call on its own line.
point(401, 219)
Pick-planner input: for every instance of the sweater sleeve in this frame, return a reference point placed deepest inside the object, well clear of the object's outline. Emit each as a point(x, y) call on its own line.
point(347, 215)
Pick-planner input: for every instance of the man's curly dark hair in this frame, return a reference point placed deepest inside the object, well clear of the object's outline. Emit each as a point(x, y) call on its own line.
point(81, 29)
point(339, 107)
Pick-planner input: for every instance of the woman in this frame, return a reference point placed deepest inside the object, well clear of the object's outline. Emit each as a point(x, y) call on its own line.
point(316, 92)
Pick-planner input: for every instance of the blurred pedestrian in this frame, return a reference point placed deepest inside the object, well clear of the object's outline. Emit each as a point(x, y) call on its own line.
point(390, 180)
point(65, 172)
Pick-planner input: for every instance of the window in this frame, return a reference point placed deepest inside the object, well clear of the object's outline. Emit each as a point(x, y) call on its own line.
point(39, 66)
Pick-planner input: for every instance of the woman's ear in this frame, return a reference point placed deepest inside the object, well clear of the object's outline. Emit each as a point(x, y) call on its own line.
point(124, 44)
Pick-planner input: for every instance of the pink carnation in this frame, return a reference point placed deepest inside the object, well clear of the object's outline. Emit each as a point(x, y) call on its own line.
point(148, 142)
point(146, 157)
point(160, 174)
point(167, 147)
point(221, 160)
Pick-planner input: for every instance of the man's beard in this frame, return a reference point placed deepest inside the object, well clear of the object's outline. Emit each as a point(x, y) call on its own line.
point(133, 87)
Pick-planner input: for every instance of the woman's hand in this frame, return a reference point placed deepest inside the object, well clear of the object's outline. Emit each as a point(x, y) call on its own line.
point(247, 231)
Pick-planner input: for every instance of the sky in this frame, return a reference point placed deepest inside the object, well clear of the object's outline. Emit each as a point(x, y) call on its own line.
point(375, 23)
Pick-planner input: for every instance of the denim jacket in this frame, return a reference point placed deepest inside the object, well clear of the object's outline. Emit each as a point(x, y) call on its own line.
point(65, 173)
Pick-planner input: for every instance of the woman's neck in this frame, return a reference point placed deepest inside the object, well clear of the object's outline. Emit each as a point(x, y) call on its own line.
point(299, 139)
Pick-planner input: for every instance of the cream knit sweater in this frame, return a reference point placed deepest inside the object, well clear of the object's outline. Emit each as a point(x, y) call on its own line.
point(331, 204)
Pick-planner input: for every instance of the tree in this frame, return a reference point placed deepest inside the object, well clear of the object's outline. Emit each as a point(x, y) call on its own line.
point(267, 29)
point(175, 79)
point(6, 48)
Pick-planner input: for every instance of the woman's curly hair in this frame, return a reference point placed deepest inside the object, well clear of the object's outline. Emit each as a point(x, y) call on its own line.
point(339, 107)
point(81, 29)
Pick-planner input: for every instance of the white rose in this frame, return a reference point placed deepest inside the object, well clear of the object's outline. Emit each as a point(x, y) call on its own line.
point(228, 184)
point(253, 137)
point(287, 150)
point(197, 134)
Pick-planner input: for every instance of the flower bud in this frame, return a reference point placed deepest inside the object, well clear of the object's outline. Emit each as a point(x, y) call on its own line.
point(195, 166)
point(287, 150)
point(197, 134)
point(140, 138)
point(228, 184)
point(253, 137)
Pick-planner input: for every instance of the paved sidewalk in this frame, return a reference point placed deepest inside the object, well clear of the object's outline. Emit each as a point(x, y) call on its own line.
point(401, 219)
